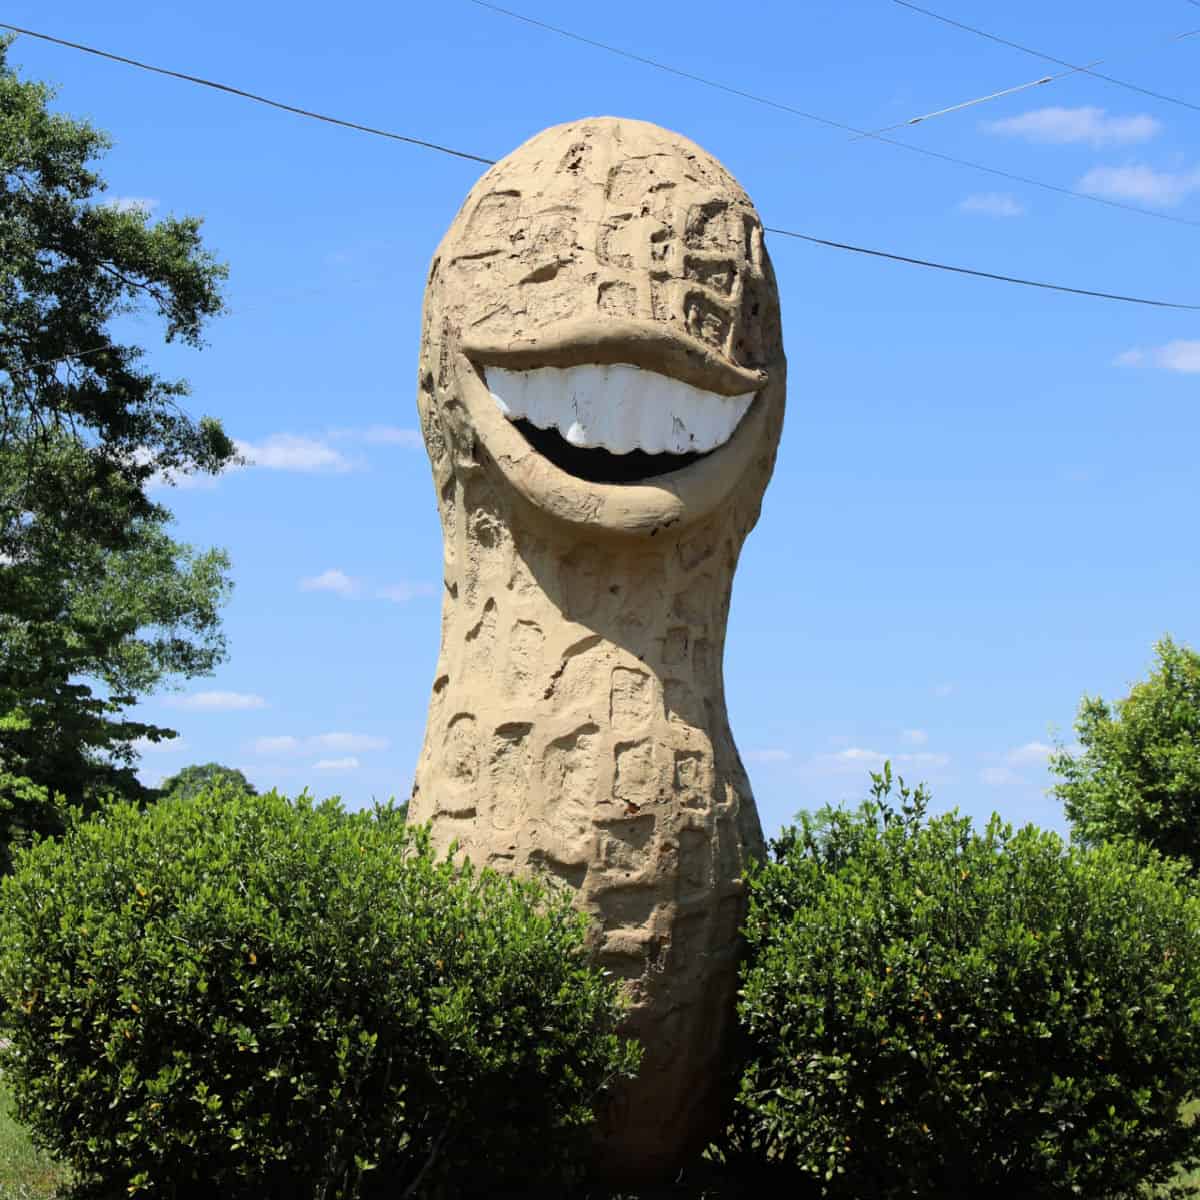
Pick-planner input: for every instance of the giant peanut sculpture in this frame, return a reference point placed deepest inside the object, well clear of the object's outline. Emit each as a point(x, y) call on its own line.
point(602, 386)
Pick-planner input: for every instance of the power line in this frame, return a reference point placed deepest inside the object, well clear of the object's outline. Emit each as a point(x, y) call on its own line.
point(832, 124)
point(952, 108)
point(491, 161)
point(1021, 87)
point(885, 254)
point(661, 66)
point(303, 112)
point(235, 91)
point(848, 246)
point(924, 262)
point(1086, 70)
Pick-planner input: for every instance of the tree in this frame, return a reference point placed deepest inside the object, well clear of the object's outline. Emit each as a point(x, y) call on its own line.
point(1138, 775)
point(198, 778)
point(98, 605)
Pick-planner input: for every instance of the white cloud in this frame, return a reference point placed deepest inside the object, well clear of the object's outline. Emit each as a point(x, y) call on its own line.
point(1163, 189)
point(144, 745)
point(277, 745)
point(1006, 771)
point(336, 580)
point(1063, 126)
point(349, 763)
point(768, 756)
point(278, 452)
point(857, 759)
point(197, 480)
point(1030, 754)
point(218, 701)
point(993, 204)
point(404, 591)
point(379, 435)
point(915, 737)
point(1179, 356)
point(857, 756)
point(334, 743)
point(999, 776)
point(348, 742)
point(141, 455)
point(290, 452)
point(393, 435)
point(1174, 356)
point(922, 759)
point(332, 580)
point(131, 203)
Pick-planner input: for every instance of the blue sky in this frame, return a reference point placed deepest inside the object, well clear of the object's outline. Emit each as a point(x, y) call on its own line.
point(985, 499)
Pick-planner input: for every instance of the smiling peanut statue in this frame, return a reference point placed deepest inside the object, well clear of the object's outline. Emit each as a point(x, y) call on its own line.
point(602, 385)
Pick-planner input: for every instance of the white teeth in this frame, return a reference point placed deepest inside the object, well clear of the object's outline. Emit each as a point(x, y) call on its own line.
point(618, 407)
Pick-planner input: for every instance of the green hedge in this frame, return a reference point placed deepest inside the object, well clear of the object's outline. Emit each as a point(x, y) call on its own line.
point(938, 1012)
point(235, 996)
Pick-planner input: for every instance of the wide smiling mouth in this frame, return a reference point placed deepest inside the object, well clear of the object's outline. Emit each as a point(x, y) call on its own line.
point(615, 422)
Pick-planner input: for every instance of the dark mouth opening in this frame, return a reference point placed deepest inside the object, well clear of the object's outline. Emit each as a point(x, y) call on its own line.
point(599, 465)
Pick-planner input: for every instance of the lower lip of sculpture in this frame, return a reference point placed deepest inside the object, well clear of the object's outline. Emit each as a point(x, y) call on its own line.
point(599, 465)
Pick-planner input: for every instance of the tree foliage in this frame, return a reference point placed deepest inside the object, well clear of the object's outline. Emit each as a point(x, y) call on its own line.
point(204, 777)
point(1137, 775)
point(98, 605)
point(933, 1010)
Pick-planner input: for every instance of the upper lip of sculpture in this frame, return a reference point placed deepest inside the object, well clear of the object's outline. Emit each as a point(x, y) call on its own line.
point(639, 505)
point(651, 345)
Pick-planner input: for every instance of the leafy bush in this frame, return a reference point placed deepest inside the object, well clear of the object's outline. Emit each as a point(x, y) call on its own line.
point(934, 1011)
point(1138, 774)
point(243, 996)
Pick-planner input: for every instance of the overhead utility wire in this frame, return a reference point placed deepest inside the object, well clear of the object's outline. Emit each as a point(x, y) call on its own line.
point(1086, 70)
point(936, 154)
point(924, 262)
point(952, 108)
point(920, 262)
point(808, 116)
point(816, 241)
point(235, 91)
point(1021, 87)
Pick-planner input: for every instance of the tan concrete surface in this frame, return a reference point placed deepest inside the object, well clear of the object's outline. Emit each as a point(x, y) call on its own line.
point(577, 725)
